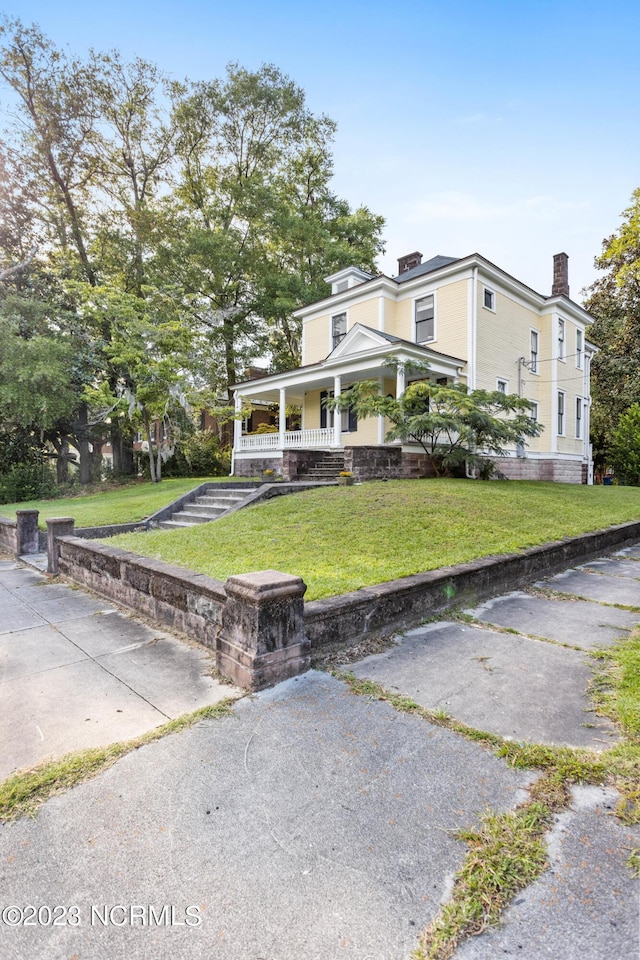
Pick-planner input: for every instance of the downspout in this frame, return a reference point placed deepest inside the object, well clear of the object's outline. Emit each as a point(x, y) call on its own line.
point(472, 328)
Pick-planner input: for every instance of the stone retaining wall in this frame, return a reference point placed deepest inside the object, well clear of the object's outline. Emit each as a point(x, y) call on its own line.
point(375, 611)
point(530, 468)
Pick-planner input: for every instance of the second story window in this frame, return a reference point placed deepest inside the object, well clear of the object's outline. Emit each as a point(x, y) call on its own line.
point(489, 299)
point(502, 386)
point(579, 349)
point(533, 355)
point(338, 328)
point(560, 339)
point(425, 319)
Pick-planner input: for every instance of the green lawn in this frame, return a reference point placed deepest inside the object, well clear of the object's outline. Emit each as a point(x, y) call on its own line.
point(344, 538)
point(125, 504)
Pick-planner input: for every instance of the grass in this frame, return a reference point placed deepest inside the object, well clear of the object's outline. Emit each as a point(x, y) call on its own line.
point(23, 793)
point(120, 504)
point(340, 539)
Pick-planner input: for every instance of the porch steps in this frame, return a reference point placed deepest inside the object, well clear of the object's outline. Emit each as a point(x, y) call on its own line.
point(204, 509)
point(328, 468)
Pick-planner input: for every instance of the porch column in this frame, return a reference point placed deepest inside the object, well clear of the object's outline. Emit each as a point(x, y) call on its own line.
point(282, 423)
point(380, 417)
point(237, 423)
point(337, 414)
point(400, 381)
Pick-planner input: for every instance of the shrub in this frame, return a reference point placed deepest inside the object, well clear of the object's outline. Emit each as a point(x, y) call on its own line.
point(27, 481)
point(625, 447)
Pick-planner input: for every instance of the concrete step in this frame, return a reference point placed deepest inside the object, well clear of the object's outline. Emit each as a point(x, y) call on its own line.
point(213, 501)
point(174, 525)
point(211, 510)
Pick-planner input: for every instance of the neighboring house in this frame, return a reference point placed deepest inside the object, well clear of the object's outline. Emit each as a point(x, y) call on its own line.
point(472, 323)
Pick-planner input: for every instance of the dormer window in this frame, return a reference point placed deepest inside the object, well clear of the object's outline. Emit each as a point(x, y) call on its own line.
point(347, 278)
point(425, 319)
point(338, 328)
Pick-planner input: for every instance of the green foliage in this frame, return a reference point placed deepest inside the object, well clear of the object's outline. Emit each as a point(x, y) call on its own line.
point(625, 446)
point(453, 425)
point(27, 481)
point(614, 300)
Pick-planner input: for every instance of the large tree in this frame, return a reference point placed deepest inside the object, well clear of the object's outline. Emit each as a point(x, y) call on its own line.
point(614, 300)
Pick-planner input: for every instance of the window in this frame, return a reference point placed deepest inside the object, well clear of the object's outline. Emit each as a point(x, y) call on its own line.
point(579, 342)
point(342, 286)
point(533, 412)
point(489, 300)
point(560, 339)
point(561, 413)
point(502, 386)
point(326, 416)
point(425, 319)
point(338, 328)
point(578, 418)
point(533, 356)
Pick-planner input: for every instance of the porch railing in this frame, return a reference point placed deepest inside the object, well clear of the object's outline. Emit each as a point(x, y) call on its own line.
point(293, 439)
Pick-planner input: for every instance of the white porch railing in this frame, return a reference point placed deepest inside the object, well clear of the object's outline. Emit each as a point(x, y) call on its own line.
point(293, 439)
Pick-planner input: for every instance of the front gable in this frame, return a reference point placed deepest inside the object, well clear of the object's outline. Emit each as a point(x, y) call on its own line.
point(360, 339)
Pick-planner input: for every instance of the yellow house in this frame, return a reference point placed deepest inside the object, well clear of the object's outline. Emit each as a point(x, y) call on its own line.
point(472, 323)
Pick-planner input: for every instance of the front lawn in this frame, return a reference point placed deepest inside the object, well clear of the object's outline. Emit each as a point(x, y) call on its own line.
point(344, 538)
point(126, 504)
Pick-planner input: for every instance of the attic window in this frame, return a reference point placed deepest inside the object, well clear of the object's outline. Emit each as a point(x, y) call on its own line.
point(489, 299)
point(338, 328)
point(343, 285)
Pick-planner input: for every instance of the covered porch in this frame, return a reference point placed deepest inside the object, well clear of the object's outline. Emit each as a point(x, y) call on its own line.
point(363, 354)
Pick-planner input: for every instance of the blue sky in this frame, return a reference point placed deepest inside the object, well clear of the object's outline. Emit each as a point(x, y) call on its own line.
point(502, 127)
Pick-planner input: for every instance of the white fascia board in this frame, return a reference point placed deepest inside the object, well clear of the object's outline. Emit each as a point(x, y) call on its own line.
point(341, 301)
point(347, 272)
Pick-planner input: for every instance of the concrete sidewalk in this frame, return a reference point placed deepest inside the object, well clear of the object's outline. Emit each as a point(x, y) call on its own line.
point(319, 824)
point(75, 672)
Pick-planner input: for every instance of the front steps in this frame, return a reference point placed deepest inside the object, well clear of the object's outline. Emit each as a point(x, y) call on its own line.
point(328, 468)
point(205, 508)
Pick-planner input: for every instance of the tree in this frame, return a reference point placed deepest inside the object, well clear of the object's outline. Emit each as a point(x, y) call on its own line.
point(614, 301)
point(453, 425)
point(625, 446)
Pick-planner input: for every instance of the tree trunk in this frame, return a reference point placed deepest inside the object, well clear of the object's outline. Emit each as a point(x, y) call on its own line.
point(83, 444)
point(122, 450)
point(152, 465)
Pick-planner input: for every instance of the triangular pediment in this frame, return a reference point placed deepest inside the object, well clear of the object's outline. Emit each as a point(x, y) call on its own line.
point(359, 340)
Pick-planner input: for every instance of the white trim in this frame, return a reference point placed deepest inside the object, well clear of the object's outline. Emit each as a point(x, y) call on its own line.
point(500, 380)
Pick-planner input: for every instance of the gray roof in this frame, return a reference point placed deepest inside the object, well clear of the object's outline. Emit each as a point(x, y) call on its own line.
point(427, 267)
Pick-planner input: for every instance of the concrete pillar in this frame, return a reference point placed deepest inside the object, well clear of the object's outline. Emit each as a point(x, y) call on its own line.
point(337, 414)
point(27, 532)
point(262, 639)
point(57, 527)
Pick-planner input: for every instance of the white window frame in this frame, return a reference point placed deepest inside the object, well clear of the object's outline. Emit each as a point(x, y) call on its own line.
point(579, 348)
point(334, 317)
point(491, 294)
point(534, 412)
point(561, 339)
point(579, 417)
point(505, 383)
point(562, 413)
point(534, 364)
point(416, 321)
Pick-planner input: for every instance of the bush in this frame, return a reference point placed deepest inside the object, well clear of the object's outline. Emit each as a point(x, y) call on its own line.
point(625, 447)
point(27, 481)
point(199, 455)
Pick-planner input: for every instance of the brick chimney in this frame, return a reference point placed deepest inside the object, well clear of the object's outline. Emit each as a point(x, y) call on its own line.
point(409, 261)
point(560, 286)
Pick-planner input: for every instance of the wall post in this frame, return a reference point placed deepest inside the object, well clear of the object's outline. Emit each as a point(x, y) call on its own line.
point(26, 532)
point(262, 640)
point(57, 527)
